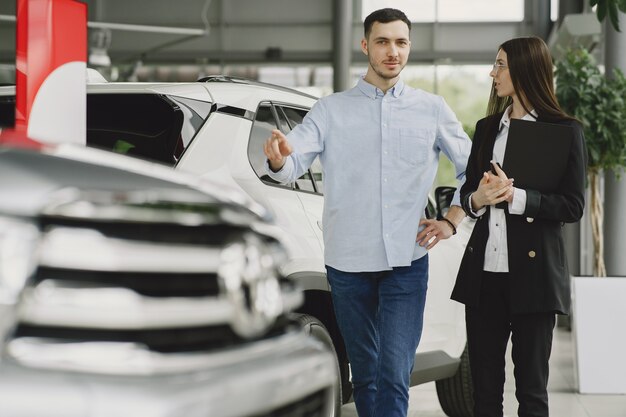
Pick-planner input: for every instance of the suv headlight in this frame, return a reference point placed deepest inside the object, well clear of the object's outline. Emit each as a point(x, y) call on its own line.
point(18, 259)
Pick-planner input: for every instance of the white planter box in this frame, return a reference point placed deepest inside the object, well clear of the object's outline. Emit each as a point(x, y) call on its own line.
point(599, 332)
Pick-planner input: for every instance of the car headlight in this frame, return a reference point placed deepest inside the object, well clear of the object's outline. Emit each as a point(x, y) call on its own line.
point(18, 259)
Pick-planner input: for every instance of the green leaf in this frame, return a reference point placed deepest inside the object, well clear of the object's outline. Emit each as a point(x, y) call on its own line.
point(601, 10)
point(621, 4)
point(614, 15)
point(121, 146)
point(599, 103)
point(593, 2)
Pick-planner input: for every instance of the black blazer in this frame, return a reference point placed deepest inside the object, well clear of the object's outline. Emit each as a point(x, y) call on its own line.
point(538, 273)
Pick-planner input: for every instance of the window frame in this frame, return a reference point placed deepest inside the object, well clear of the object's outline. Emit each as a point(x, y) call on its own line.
point(274, 110)
point(280, 106)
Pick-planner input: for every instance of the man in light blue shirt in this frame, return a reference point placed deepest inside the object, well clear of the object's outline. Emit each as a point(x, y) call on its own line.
point(379, 146)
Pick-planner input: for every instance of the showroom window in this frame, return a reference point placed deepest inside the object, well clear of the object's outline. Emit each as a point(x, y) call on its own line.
point(451, 10)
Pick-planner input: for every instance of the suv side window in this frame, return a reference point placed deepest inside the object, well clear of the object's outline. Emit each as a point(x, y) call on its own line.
point(316, 170)
point(295, 117)
point(282, 119)
point(267, 119)
point(261, 130)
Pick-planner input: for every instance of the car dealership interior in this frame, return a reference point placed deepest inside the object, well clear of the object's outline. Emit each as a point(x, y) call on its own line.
point(152, 265)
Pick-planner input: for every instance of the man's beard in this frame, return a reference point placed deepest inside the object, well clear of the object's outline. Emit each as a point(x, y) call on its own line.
point(384, 76)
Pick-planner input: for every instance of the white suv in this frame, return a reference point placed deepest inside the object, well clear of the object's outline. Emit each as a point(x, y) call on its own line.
point(215, 128)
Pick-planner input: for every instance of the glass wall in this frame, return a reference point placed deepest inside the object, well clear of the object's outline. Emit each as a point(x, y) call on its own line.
point(452, 10)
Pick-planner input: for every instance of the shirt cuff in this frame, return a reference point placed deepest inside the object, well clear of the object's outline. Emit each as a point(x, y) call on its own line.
point(518, 205)
point(283, 174)
point(478, 213)
point(268, 168)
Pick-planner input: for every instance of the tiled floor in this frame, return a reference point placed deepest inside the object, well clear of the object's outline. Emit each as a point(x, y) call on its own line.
point(564, 401)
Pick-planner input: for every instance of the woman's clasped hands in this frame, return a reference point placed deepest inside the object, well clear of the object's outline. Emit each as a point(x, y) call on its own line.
point(493, 188)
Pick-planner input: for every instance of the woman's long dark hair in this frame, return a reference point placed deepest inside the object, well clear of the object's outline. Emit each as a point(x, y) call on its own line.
point(530, 68)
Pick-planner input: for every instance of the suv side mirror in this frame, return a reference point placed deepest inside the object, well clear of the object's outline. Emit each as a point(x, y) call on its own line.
point(443, 199)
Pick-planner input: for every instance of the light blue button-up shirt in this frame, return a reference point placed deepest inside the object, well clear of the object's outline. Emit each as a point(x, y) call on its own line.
point(379, 155)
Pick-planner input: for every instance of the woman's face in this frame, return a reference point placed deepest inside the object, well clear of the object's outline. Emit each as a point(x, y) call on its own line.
point(501, 76)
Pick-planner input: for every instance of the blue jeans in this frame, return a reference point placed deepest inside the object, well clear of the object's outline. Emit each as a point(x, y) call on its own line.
point(380, 316)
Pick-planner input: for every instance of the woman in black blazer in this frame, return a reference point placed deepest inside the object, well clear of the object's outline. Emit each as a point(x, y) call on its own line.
point(513, 277)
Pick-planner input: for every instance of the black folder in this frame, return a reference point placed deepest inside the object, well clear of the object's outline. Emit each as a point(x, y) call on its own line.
point(536, 154)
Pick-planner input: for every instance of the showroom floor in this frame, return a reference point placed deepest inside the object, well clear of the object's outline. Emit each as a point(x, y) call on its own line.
point(564, 401)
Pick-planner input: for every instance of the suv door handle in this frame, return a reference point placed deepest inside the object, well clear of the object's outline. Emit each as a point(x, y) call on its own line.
point(319, 224)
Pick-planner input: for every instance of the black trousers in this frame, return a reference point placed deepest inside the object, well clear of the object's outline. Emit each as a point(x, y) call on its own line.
point(488, 329)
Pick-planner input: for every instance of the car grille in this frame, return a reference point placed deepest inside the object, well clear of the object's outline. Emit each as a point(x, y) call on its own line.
point(150, 284)
point(140, 285)
point(313, 405)
point(193, 339)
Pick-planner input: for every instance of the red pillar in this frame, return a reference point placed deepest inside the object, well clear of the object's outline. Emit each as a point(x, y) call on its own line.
point(51, 57)
point(21, 65)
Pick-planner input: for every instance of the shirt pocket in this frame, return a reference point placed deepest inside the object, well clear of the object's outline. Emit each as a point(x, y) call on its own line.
point(414, 145)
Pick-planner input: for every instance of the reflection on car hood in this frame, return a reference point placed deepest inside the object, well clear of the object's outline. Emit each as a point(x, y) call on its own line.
point(28, 179)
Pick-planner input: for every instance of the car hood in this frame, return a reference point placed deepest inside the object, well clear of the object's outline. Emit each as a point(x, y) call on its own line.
point(31, 180)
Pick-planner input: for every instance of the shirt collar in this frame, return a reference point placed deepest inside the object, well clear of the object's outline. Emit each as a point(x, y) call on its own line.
point(506, 117)
point(372, 92)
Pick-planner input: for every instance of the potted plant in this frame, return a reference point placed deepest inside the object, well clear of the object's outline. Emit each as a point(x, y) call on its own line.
point(599, 103)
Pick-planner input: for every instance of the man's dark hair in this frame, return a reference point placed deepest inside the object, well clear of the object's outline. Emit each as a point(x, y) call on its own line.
point(384, 16)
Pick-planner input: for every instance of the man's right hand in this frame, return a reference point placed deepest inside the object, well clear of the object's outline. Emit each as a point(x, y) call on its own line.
point(276, 148)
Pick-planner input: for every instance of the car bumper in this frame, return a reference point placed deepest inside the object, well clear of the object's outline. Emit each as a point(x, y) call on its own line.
point(299, 370)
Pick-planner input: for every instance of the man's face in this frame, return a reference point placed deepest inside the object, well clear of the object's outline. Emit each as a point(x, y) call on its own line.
point(387, 48)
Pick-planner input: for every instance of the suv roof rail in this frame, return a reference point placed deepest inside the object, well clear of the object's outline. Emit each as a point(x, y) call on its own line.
point(248, 81)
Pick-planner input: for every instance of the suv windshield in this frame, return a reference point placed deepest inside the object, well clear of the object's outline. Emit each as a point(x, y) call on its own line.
point(152, 126)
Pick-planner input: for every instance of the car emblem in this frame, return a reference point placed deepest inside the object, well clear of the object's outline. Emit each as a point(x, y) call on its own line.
point(247, 275)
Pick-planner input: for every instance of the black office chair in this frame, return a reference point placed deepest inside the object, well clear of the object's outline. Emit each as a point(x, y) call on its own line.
point(443, 199)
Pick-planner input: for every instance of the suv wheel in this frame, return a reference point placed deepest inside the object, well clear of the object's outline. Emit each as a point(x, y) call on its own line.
point(456, 393)
point(314, 328)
